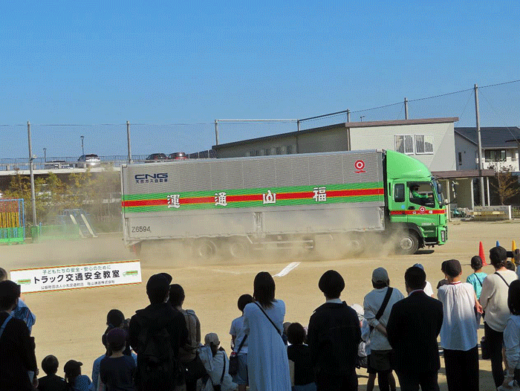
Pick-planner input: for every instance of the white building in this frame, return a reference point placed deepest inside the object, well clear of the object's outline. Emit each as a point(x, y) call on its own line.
point(500, 147)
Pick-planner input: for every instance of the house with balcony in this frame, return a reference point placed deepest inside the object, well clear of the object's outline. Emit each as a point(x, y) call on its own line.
point(500, 148)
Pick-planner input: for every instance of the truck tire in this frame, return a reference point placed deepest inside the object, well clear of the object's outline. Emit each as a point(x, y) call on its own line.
point(238, 248)
point(204, 249)
point(408, 242)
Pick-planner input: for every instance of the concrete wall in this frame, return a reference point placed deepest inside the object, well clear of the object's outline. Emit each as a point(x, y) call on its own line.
point(442, 158)
point(464, 193)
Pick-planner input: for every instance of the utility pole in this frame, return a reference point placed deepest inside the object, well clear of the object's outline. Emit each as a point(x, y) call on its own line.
point(216, 131)
point(480, 162)
point(31, 173)
point(82, 148)
point(129, 143)
point(45, 154)
point(405, 108)
point(348, 115)
point(361, 118)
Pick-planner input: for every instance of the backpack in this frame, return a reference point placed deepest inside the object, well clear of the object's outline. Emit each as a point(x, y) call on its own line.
point(158, 368)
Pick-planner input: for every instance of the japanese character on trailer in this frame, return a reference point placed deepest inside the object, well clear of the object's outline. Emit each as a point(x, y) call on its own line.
point(320, 194)
point(106, 274)
point(269, 198)
point(174, 201)
point(221, 199)
point(69, 277)
point(115, 273)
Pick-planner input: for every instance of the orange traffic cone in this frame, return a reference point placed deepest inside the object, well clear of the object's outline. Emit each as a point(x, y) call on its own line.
point(481, 254)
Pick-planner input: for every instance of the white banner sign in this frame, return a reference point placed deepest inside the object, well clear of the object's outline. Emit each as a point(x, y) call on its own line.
point(92, 275)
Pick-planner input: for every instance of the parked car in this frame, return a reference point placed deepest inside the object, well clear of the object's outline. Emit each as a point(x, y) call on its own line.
point(178, 156)
point(91, 160)
point(57, 164)
point(156, 157)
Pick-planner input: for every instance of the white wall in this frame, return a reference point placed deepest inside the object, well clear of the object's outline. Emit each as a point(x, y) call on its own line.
point(383, 137)
point(468, 152)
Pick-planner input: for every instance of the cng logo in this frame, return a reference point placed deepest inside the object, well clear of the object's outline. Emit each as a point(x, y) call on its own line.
point(160, 177)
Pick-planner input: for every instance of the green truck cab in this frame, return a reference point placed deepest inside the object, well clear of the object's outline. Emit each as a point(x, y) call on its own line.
point(416, 211)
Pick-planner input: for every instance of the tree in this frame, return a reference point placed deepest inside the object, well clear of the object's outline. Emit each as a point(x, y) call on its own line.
point(507, 185)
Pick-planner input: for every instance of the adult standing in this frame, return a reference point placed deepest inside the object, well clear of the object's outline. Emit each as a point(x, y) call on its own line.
point(378, 306)
point(267, 359)
point(334, 336)
point(459, 330)
point(413, 327)
point(156, 333)
point(188, 352)
point(17, 357)
point(512, 335)
point(494, 302)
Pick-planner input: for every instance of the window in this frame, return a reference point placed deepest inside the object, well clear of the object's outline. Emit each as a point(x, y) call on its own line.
point(404, 144)
point(399, 193)
point(421, 193)
point(460, 158)
point(423, 144)
point(498, 155)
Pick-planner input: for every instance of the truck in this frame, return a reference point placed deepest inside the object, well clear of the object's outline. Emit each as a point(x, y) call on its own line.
point(237, 206)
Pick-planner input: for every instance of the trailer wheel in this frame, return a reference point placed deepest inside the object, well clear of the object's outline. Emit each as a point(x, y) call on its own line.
point(408, 243)
point(204, 249)
point(238, 249)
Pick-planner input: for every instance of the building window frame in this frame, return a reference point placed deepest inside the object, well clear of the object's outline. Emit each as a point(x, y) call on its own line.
point(407, 143)
point(424, 144)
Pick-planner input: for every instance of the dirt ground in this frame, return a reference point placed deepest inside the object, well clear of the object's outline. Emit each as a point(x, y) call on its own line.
point(70, 323)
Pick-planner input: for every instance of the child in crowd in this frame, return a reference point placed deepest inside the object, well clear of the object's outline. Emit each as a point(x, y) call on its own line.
point(117, 371)
point(477, 278)
point(75, 380)
point(510, 266)
point(239, 343)
point(216, 362)
point(302, 372)
point(116, 319)
point(51, 382)
point(21, 310)
point(444, 281)
point(428, 288)
point(365, 344)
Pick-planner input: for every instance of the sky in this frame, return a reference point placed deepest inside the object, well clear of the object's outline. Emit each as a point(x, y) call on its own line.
point(171, 68)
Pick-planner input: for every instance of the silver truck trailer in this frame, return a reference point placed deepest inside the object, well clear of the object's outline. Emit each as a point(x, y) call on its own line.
point(233, 206)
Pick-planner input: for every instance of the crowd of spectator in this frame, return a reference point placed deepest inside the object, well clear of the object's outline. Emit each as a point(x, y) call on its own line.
point(161, 347)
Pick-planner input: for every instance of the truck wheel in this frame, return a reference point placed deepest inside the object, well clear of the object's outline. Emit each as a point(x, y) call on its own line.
point(408, 243)
point(204, 249)
point(238, 249)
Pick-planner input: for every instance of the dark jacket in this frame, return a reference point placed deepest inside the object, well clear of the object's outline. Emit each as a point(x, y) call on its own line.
point(157, 317)
point(52, 383)
point(413, 328)
point(16, 355)
point(334, 336)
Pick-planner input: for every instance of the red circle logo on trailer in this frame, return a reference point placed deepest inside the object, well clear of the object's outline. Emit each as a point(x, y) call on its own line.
point(360, 165)
point(422, 209)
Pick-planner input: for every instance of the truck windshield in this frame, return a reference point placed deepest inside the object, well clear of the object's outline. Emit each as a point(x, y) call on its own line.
point(437, 187)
